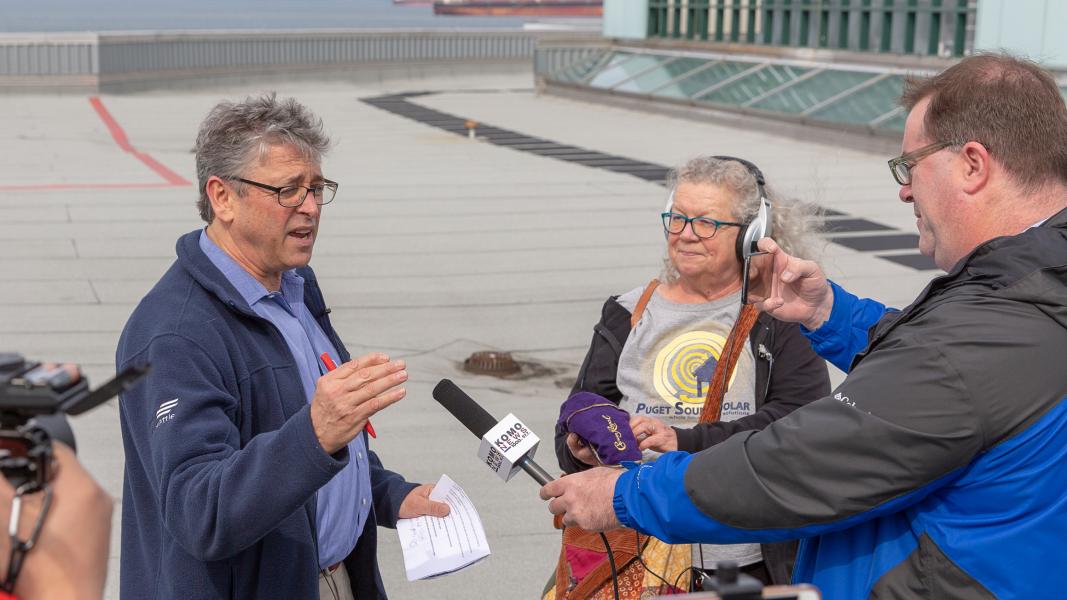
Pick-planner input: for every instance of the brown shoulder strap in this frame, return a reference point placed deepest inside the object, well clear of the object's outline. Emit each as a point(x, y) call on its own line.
point(735, 343)
point(643, 302)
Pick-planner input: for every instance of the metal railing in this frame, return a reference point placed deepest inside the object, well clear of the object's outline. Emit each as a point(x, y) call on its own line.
point(922, 27)
point(49, 55)
point(100, 59)
point(167, 52)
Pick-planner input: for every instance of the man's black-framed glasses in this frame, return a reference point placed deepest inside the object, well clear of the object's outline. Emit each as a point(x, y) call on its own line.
point(703, 227)
point(902, 165)
point(292, 196)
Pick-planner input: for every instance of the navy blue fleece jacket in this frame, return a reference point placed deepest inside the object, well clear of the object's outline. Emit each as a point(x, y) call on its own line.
point(222, 463)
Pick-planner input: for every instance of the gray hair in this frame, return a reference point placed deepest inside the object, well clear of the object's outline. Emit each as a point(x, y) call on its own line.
point(794, 223)
point(234, 134)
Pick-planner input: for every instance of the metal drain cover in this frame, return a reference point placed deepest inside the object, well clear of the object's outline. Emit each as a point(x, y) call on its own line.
point(491, 363)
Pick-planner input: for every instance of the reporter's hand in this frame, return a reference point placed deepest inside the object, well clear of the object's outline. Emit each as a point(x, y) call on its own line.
point(799, 291)
point(581, 451)
point(347, 397)
point(584, 499)
point(654, 434)
point(69, 559)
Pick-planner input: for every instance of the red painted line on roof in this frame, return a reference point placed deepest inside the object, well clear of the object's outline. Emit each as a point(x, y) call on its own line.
point(119, 135)
point(80, 186)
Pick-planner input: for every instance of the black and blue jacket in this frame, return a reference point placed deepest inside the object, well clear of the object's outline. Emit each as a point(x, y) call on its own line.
point(222, 462)
point(937, 469)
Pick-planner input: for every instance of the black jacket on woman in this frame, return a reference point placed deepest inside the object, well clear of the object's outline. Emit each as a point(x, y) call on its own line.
point(788, 375)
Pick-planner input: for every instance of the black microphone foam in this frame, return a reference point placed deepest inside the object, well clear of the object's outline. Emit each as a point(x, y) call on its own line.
point(479, 422)
point(463, 408)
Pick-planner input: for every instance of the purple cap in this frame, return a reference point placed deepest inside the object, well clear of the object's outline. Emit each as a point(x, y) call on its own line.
point(602, 425)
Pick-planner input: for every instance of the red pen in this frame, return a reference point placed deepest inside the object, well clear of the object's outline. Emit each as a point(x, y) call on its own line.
point(326, 360)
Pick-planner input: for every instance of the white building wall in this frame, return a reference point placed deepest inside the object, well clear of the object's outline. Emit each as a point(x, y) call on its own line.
point(625, 19)
point(1031, 28)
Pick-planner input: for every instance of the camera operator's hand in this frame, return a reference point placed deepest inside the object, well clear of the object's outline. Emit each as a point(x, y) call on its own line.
point(347, 397)
point(69, 559)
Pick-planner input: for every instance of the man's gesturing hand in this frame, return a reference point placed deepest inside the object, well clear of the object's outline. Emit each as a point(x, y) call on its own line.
point(799, 291)
point(346, 398)
point(585, 499)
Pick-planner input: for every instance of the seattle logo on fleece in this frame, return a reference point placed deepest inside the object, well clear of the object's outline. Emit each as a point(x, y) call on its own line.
point(682, 372)
point(164, 414)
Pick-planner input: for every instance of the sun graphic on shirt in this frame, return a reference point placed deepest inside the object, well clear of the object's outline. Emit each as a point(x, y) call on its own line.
point(685, 365)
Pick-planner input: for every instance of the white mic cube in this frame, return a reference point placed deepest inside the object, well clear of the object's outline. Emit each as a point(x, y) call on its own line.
point(505, 444)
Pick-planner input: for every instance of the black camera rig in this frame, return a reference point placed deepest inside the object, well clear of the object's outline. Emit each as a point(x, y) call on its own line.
point(34, 399)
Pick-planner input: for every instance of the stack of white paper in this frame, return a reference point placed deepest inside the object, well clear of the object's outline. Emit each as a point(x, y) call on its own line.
point(434, 545)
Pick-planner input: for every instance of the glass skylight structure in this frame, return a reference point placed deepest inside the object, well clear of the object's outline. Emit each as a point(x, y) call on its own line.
point(860, 96)
point(857, 96)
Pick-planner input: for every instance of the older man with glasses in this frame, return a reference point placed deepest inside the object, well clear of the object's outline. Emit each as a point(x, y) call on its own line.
point(248, 472)
point(936, 469)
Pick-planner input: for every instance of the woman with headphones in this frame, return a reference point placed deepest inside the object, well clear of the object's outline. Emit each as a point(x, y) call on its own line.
point(690, 362)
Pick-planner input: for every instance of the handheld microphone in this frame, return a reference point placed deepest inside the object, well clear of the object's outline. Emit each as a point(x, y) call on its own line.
point(507, 445)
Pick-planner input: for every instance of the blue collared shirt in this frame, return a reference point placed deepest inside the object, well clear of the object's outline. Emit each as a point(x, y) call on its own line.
point(342, 504)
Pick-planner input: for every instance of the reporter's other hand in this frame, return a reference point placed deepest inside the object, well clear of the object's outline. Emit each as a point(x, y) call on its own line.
point(69, 559)
point(799, 291)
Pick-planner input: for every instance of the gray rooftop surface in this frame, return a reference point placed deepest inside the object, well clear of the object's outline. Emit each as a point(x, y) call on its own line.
point(437, 246)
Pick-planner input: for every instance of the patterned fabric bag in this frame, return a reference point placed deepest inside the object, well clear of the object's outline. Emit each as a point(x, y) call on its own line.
point(583, 570)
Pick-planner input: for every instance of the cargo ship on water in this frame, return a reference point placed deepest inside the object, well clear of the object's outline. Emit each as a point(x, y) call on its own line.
point(532, 8)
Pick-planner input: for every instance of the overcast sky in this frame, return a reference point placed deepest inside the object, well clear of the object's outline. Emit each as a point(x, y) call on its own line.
point(116, 15)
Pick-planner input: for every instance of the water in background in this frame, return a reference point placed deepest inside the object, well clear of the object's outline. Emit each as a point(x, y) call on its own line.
point(154, 15)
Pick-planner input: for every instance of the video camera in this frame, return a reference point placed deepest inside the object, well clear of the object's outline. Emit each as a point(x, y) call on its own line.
point(34, 401)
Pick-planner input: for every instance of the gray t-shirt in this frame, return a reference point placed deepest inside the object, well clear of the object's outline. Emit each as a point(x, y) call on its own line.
point(665, 368)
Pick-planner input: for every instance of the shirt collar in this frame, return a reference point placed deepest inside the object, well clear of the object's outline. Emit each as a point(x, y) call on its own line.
point(250, 289)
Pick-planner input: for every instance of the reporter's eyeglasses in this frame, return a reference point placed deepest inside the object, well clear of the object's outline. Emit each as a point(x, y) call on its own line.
point(902, 165)
point(703, 227)
point(292, 196)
